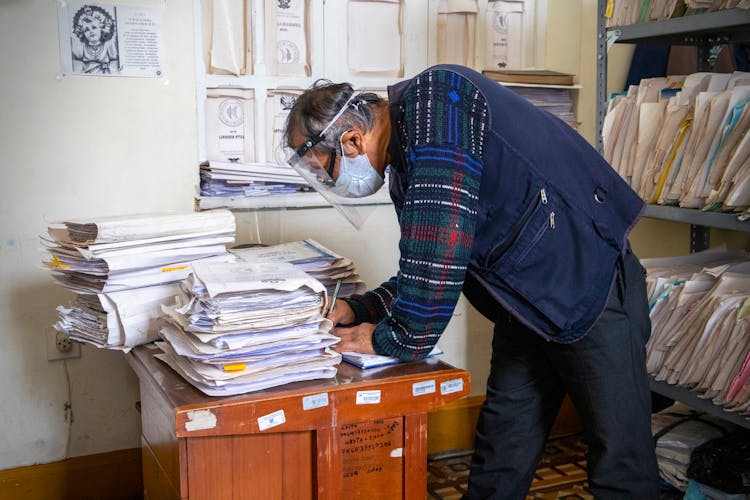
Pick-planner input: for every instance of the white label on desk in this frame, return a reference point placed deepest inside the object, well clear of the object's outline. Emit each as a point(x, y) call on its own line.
point(451, 386)
point(420, 388)
point(368, 397)
point(315, 401)
point(199, 420)
point(271, 420)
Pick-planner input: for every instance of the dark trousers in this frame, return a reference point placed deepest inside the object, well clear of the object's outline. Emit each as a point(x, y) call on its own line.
point(605, 375)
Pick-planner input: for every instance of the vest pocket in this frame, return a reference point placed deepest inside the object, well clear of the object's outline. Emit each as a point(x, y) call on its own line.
point(526, 221)
point(557, 263)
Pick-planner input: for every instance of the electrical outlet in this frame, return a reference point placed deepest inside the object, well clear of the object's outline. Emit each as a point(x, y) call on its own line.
point(59, 346)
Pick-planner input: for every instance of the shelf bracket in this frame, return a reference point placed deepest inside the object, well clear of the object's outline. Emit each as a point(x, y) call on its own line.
point(699, 237)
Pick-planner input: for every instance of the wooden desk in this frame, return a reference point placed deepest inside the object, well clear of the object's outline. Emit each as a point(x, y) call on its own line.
point(362, 434)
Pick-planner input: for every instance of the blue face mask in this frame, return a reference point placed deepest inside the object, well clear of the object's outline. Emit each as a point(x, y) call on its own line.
point(357, 177)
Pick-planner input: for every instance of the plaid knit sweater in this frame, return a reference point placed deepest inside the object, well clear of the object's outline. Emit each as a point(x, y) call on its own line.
point(441, 135)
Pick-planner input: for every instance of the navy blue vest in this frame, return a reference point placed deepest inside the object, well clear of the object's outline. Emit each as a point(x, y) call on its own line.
point(553, 216)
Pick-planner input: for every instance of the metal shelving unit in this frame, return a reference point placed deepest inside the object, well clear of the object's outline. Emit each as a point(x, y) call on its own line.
point(724, 26)
point(692, 399)
point(697, 217)
point(706, 31)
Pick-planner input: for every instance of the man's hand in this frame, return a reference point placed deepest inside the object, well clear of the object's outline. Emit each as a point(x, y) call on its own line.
point(342, 313)
point(357, 338)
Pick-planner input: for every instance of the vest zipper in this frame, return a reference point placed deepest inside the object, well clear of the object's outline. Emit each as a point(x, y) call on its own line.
point(500, 250)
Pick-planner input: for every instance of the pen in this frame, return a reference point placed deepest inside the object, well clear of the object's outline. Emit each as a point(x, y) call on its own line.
point(335, 294)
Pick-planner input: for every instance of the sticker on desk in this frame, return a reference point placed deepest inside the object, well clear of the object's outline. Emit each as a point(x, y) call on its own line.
point(315, 401)
point(421, 388)
point(451, 386)
point(368, 397)
point(271, 420)
point(199, 420)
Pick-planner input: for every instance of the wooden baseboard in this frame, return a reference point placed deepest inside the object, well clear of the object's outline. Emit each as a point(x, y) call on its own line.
point(112, 475)
point(452, 426)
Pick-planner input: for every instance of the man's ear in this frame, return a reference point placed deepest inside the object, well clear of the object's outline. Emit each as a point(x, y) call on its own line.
point(353, 143)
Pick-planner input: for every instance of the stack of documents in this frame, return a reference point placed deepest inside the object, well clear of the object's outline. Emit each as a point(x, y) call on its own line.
point(700, 319)
point(677, 431)
point(626, 12)
point(240, 327)
point(124, 268)
point(684, 140)
point(223, 178)
point(553, 100)
point(316, 260)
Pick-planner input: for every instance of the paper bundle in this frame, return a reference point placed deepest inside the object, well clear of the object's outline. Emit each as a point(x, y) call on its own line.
point(220, 178)
point(553, 100)
point(684, 140)
point(240, 327)
point(700, 340)
point(316, 260)
point(124, 268)
point(626, 12)
point(677, 431)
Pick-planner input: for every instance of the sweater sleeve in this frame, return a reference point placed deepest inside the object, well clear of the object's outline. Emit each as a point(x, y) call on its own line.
point(443, 130)
point(374, 305)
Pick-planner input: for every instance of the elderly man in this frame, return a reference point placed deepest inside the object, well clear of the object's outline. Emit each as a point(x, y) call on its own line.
point(506, 203)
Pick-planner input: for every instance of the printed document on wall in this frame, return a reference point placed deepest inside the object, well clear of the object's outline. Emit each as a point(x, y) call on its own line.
point(287, 40)
point(229, 125)
point(374, 37)
point(504, 34)
point(227, 40)
point(278, 105)
point(99, 39)
point(456, 29)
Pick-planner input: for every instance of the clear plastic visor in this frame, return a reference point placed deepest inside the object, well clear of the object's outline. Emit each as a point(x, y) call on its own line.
point(316, 175)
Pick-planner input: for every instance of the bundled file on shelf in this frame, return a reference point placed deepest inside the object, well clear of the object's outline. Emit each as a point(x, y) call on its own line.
point(124, 268)
point(238, 327)
point(223, 178)
point(627, 12)
point(700, 340)
point(683, 140)
point(678, 430)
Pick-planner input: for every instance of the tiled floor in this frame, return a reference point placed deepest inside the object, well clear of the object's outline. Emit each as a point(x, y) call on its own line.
point(561, 473)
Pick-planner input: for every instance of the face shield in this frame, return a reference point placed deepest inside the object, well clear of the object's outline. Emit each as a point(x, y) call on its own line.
point(318, 176)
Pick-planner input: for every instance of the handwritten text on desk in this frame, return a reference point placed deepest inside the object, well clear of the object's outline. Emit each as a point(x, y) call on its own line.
point(368, 397)
point(271, 420)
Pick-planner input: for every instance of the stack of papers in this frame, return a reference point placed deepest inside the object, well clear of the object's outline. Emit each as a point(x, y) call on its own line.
point(684, 140)
point(316, 260)
point(700, 315)
point(553, 100)
point(626, 12)
point(221, 178)
point(366, 361)
point(678, 430)
point(240, 327)
point(124, 268)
